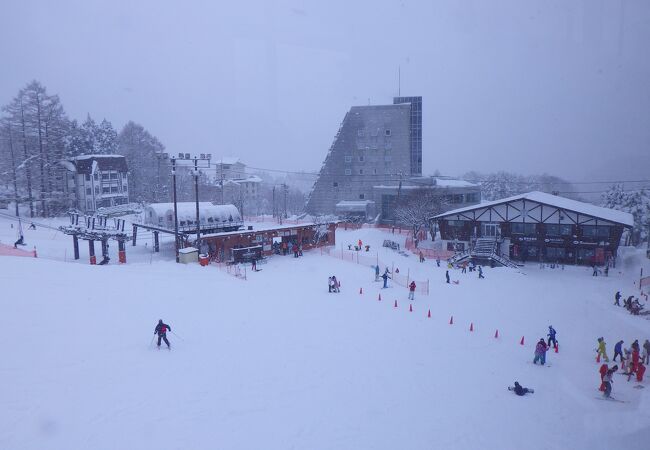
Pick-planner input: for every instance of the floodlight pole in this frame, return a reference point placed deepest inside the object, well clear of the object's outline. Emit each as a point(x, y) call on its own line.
point(196, 194)
point(175, 208)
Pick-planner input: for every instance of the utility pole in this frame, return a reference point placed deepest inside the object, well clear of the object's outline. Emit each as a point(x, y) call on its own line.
point(286, 191)
point(175, 207)
point(196, 194)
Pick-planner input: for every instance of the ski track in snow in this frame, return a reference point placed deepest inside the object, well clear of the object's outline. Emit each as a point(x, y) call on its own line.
point(277, 362)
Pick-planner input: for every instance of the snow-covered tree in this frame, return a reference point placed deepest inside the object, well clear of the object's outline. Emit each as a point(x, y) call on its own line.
point(636, 203)
point(416, 208)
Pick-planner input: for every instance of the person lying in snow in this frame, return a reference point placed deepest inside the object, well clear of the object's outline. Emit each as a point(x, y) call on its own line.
point(519, 390)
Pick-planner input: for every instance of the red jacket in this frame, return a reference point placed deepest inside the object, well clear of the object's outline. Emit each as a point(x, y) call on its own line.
point(412, 286)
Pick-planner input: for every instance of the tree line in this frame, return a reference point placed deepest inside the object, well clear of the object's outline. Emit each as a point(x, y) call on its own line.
point(36, 134)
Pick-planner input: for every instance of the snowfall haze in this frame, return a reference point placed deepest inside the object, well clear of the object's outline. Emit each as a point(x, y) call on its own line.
point(522, 86)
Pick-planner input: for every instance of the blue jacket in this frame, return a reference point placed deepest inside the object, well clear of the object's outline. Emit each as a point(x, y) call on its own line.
point(617, 347)
point(551, 332)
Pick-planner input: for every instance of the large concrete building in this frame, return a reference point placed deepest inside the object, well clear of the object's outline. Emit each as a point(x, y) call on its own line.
point(375, 145)
point(376, 156)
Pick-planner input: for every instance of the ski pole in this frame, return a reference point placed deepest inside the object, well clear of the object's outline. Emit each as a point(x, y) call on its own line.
point(152, 338)
point(177, 336)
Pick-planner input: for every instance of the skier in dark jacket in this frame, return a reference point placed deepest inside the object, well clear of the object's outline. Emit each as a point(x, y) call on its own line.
point(447, 276)
point(480, 272)
point(519, 390)
point(617, 298)
point(161, 331)
point(618, 350)
point(551, 336)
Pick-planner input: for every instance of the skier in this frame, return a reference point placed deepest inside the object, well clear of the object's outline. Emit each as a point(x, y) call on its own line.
point(635, 345)
point(618, 350)
point(603, 371)
point(32, 226)
point(421, 257)
point(602, 351)
point(551, 336)
point(607, 379)
point(606, 271)
point(646, 352)
point(595, 272)
point(447, 276)
point(335, 284)
point(254, 264)
point(464, 268)
point(640, 370)
point(540, 352)
point(519, 390)
point(412, 290)
point(330, 284)
point(20, 241)
point(635, 357)
point(480, 272)
point(385, 277)
point(161, 331)
point(438, 262)
point(617, 298)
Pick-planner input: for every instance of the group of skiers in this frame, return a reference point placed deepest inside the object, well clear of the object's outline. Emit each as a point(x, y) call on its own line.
point(633, 360)
point(631, 304)
point(472, 268)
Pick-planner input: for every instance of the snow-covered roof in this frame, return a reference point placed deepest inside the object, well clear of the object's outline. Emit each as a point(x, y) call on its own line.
point(187, 211)
point(444, 182)
point(83, 157)
point(188, 250)
point(88, 164)
point(558, 202)
point(226, 160)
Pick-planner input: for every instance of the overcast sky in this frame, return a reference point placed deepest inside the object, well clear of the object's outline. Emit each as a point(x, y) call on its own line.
point(557, 86)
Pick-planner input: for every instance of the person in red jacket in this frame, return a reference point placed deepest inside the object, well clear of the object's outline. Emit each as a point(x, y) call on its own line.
point(161, 331)
point(603, 370)
point(412, 290)
point(635, 358)
point(640, 370)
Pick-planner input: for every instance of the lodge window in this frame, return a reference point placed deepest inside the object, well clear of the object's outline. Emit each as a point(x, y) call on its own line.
point(388, 132)
point(472, 197)
point(360, 132)
point(114, 190)
point(114, 176)
point(594, 231)
point(348, 159)
point(105, 176)
point(106, 190)
point(87, 177)
point(96, 176)
point(455, 223)
point(555, 253)
point(348, 171)
point(457, 198)
point(89, 191)
point(362, 196)
point(522, 228)
point(361, 159)
point(585, 253)
point(335, 184)
point(558, 230)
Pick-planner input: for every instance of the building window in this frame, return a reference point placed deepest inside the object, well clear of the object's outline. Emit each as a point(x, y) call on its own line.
point(348, 171)
point(181, 155)
point(387, 158)
point(202, 155)
point(105, 176)
point(335, 184)
point(471, 197)
point(125, 188)
point(360, 171)
point(361, 158)
point(348, 159)
point(96, 176)
point(362, 196)
point(114, 190)
point(387, 132)
point(187, 156)
point(96, 190)
point(553, 253)
point(457, 198)
point(89, 191)
point(361, 132)
point(523, 228)
point(106, 190)
point(89, 204)
point(87, 177)
point(113, 175)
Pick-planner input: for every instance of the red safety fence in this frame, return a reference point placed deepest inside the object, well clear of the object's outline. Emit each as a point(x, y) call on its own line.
point(7, 250)
point(357, 257)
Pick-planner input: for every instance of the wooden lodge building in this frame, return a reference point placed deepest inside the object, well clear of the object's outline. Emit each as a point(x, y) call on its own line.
point(535, 227)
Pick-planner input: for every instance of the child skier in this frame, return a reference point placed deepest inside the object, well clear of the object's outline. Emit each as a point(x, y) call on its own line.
point(603, 371)
point(412, 290)
point(551, 336)
point(335, 284)
point(602, 351)
point(385, 277)
point(519, 390)
point(480, 272)
point(618, 350)
point(607, 379)
point(540, 352)
point(447, 276)
point(617, 298)
point(161, 331)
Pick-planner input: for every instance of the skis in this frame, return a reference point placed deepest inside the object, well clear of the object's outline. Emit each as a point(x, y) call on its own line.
point(530, 391)
point(543, 365)
point(612, 399)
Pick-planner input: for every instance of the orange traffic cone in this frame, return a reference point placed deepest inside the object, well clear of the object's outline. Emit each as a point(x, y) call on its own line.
point(395, 304)
point(429, 315)
point(496, 335)
point(522, 341)
point(471, 326)
point(410, 308)
point(451, 321)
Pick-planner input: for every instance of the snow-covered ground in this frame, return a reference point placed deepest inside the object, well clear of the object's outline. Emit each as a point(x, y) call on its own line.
point(276, 362)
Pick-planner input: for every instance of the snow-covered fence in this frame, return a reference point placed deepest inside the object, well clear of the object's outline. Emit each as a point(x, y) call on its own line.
point(236, 270)
point(400, 279)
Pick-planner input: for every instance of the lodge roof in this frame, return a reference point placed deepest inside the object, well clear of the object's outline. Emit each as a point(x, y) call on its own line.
point(568, 204)
point(87, 164)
